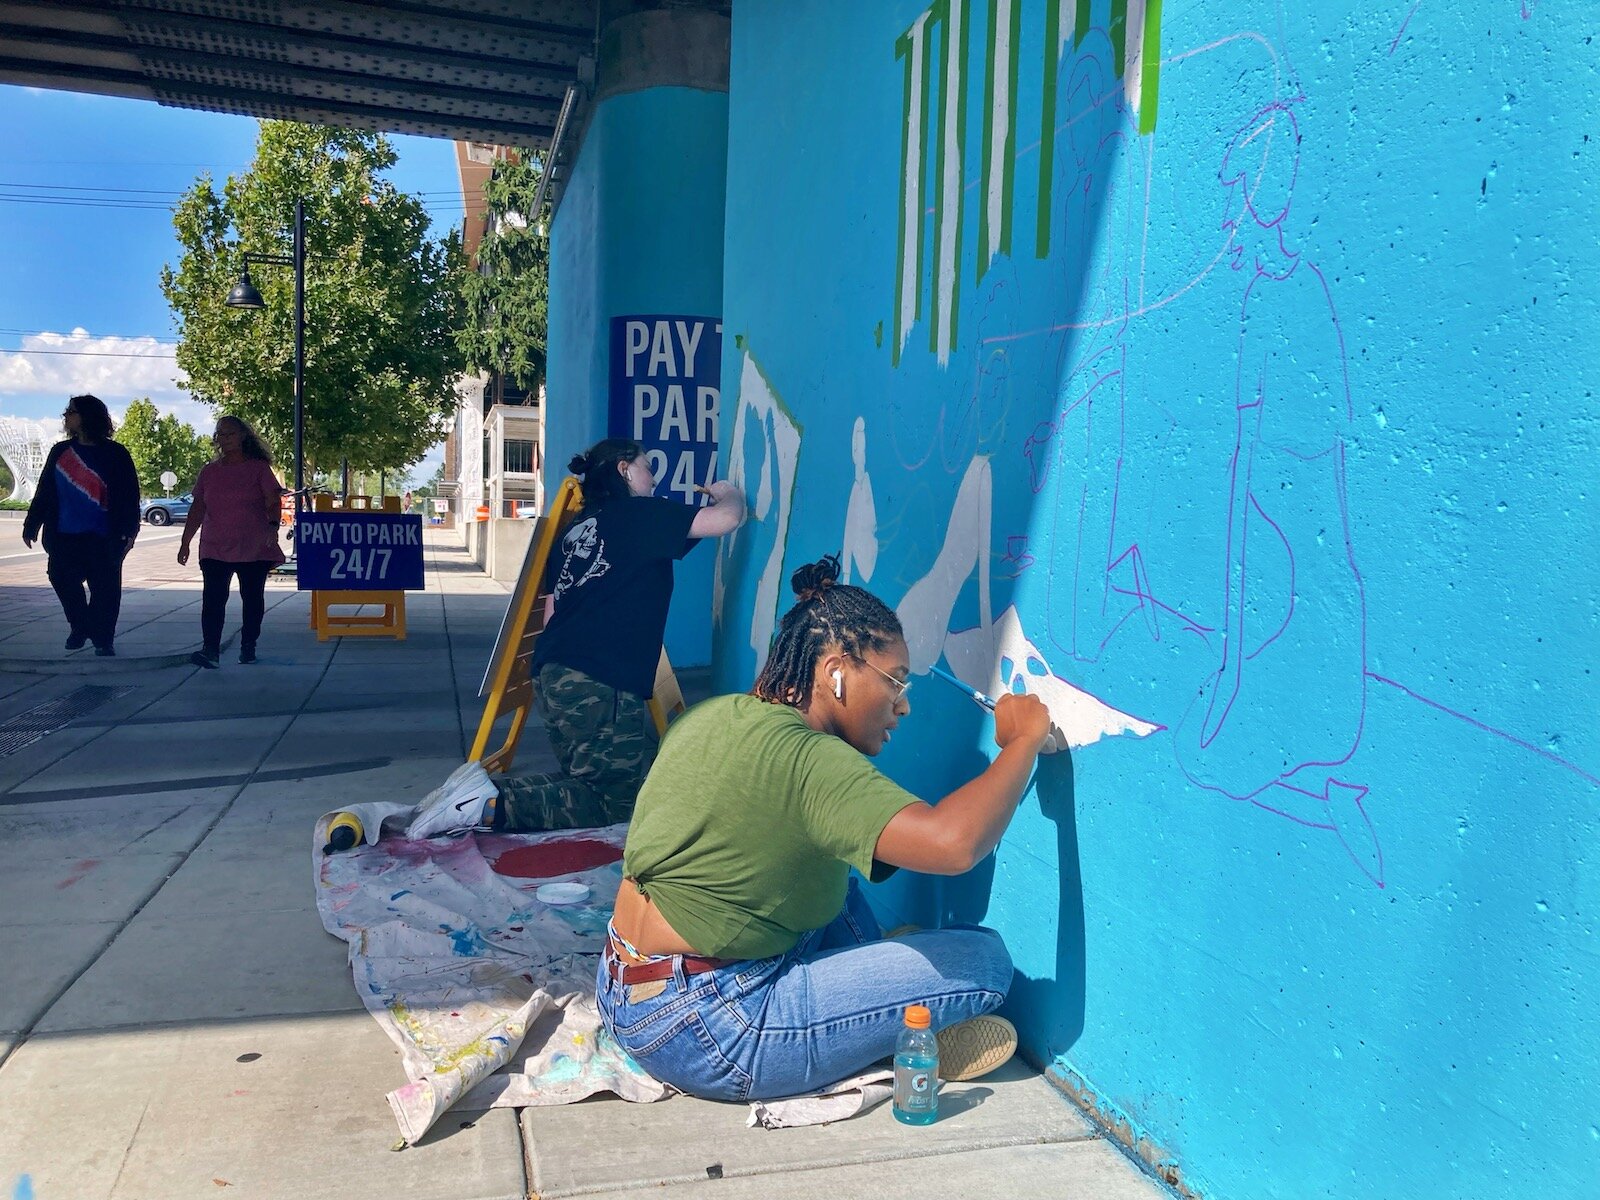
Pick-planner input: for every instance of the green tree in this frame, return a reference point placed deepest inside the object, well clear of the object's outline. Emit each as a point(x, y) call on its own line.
point(162, 443)
point(382, 301)
point(506, 296)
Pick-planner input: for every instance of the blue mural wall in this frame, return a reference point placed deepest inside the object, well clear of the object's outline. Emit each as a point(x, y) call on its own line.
point(1223, 375)
point(638, 233)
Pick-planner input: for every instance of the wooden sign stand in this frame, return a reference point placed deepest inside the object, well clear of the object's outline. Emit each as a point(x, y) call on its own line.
point(391, 622)
point(508, 684)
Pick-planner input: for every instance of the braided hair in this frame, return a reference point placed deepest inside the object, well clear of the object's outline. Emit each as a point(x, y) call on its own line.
point(828, 613)
point(597, 467)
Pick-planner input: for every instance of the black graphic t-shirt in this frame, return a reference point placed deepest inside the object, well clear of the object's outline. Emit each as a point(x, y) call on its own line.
point(611, 574)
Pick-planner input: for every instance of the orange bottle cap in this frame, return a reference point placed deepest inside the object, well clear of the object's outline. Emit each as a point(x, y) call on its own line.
point(918, 1017)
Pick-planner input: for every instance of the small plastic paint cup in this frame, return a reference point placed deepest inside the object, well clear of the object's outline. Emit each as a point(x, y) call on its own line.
point(562, 893)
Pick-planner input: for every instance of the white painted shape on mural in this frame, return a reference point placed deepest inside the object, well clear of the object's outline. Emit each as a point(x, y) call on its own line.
point(1133, 55)
point(780, 454)
point(950, 183)
point(994, 657)
point(911, 265)
point(925, 609)
point(999, 123)
point(861, 514)
point(1002, 659)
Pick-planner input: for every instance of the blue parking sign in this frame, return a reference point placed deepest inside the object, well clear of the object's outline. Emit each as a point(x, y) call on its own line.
point(666, 385)
point(358, 551)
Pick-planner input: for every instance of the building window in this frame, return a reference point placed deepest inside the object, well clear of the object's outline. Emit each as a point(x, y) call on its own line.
point(519, 456)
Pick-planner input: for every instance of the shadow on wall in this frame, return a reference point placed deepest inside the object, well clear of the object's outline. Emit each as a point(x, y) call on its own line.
point(1054, 1004)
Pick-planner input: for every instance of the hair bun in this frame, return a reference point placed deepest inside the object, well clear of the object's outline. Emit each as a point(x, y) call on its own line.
point(811, 581)
point(579, 464)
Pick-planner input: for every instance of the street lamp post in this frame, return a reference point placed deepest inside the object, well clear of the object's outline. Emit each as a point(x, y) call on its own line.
point(245, 295)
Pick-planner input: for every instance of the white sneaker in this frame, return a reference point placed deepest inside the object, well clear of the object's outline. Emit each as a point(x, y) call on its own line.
point(458, 804)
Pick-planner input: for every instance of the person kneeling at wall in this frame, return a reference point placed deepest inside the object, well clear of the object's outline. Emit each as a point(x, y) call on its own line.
point(607, 588)
point(743, 961)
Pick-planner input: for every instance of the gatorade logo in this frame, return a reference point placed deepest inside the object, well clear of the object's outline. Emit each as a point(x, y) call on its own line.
point(919, 1081)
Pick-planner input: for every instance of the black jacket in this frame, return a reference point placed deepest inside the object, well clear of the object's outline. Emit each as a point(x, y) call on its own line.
point(123, 505)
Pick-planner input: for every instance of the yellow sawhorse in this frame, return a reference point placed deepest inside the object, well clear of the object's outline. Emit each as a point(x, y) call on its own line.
point(392, 622)
point(508, 685)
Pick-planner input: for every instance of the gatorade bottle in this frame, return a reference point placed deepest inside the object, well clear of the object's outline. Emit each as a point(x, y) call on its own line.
point(344, 831)
point(916, 1069)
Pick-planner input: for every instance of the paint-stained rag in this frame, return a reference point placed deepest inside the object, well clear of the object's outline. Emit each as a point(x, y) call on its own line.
point(488, 993)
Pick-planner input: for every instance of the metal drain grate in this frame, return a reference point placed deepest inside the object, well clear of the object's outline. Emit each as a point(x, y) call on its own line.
point(28, 727)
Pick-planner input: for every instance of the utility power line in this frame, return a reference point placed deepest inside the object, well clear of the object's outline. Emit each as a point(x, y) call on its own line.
point(90, 353)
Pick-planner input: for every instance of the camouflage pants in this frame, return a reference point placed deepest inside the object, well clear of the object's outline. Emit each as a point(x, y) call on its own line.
point(604, 740)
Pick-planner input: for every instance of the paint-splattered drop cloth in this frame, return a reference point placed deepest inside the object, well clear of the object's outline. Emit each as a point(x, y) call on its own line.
point(487, 991)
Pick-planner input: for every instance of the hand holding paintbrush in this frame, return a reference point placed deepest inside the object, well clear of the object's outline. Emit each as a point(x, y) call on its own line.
point(1055, 742)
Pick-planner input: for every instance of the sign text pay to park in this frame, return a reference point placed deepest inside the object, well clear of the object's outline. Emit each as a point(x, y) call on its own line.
point(358, 551)
point(666, 376)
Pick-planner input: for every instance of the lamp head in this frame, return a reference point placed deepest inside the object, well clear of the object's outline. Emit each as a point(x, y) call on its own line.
point(244, 294)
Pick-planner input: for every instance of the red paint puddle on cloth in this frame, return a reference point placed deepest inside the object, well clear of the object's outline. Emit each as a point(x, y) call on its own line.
point(556, 858)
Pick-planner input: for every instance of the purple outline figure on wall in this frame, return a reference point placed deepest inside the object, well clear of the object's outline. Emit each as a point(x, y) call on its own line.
point(1085, 444)
point(1283, 711)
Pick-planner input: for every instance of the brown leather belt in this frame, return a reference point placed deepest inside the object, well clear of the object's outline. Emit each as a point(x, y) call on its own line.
point(649, 972)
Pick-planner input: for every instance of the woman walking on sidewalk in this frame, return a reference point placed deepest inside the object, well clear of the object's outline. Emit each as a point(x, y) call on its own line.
point(87, 507)
point(237, 506)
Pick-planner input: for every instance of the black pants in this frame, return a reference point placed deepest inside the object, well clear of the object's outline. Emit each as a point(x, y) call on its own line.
point(88, 559)
point(214, 600)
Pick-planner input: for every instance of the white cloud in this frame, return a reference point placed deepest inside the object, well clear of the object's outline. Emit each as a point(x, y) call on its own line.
point(52, 366)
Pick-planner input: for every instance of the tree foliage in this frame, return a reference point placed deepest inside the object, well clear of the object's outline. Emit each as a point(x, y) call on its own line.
point(162, 443)
point(506, 297)
point(382, 300)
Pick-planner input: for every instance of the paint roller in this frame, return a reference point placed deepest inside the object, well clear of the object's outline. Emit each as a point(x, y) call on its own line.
point(1052, 743)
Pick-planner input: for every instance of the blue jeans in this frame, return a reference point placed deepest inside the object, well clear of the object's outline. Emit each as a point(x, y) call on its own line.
point(761, 1028)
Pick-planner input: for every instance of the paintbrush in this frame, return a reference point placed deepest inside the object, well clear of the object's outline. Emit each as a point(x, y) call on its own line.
point(1052, 743)
point(972, 692)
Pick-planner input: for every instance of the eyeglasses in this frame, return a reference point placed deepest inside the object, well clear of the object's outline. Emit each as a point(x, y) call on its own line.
point(901, 686)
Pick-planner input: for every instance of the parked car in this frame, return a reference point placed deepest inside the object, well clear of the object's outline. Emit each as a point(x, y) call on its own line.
point(164, 510)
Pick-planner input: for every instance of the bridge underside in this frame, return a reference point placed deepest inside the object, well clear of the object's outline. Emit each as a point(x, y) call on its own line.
point(475, 70)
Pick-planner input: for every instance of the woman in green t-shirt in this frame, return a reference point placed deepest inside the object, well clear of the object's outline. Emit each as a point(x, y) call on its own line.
point(744, 962)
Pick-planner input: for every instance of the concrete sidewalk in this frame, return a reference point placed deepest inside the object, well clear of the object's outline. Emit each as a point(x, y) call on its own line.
point(175, 1022)
point(160, 620)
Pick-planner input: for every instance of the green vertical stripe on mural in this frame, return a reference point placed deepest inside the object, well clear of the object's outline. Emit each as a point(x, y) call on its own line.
point(963, 40)
point(1119, 35)
point(902, 49)
point(1150, 68)
point(1009, 154)
point(989, 74)
point(922, 180)
point(1080, 23)
point(1047, 120)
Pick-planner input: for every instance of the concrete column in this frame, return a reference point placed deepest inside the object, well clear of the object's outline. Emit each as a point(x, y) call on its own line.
point(638, 235)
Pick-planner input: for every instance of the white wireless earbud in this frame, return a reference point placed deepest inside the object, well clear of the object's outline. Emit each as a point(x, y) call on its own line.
point(838, 684)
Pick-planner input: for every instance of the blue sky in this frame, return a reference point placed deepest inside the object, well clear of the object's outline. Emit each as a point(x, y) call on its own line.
point(85, 188)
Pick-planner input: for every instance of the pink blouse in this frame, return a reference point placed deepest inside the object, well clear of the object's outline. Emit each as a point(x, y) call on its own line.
point(239, 497)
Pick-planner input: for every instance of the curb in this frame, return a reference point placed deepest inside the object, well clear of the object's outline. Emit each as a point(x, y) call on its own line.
point(90, 664)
